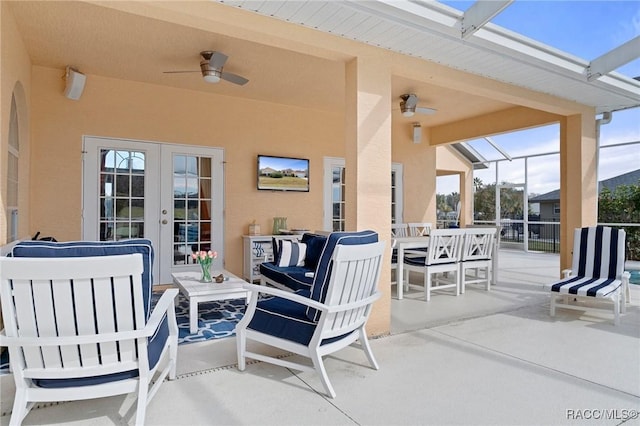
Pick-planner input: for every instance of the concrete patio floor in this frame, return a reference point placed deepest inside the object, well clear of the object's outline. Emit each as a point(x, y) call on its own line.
point(482, 358)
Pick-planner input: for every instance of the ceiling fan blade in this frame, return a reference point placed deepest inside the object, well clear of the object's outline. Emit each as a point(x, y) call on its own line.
point(217, 61)
point(423, 110)
point(178, 72)
point(234, 78)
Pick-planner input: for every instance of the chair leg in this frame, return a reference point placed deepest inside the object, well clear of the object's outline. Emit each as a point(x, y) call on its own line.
point(173, 359)
point(489, 272)
point(241, 347)
point(552, 304)
point(462, 273)
point(19, 408)
point(616, 309)
point(143, 389)
point(427, 286)
point(322, 372)
point(367, 349)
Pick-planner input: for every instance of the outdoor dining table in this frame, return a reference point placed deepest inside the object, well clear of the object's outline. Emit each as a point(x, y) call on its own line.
point(402, 244)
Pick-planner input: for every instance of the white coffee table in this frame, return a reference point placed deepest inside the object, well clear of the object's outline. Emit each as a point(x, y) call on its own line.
point(198, 292)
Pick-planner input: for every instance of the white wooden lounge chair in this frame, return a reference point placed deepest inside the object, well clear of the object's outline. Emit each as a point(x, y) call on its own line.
point(318, 322)
point(78, 328)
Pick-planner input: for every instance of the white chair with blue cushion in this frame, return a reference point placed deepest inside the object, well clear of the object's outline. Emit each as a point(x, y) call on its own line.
point(323, 320)
point(397, 230)
point(597, 273)
point(77, 328)
point(419, 229)
point(442, 258)
point(477, 254)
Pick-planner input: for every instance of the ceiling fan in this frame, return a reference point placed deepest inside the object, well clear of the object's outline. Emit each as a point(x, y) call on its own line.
point(211, 67)
point(409, 106)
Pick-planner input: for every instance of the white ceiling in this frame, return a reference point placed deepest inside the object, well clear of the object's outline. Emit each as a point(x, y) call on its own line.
point(429, 30)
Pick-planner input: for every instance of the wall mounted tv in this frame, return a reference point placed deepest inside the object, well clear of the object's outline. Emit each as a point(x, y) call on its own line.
point(283, 173)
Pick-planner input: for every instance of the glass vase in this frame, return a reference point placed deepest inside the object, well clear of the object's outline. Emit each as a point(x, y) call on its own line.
point(206, 273)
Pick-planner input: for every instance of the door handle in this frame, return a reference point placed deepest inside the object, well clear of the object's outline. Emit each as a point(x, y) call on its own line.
point(165, 221)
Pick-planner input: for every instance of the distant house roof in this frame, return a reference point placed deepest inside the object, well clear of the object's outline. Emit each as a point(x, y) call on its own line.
point(630, 178)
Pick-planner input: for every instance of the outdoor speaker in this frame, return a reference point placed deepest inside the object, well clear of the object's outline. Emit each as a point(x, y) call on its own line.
point(417, 133)
point(74, 84)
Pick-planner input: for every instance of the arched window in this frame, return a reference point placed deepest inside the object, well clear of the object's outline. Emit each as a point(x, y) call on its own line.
point(12, 174)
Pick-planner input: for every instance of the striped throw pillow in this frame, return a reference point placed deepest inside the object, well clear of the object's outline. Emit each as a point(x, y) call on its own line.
point(291, 253)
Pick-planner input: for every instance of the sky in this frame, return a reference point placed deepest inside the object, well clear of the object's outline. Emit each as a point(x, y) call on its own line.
point(585, 29)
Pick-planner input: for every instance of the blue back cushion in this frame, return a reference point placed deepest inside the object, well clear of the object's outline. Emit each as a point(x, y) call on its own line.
point(599, 251)
point(323, 272)
point(95, 248)
point(315, 244)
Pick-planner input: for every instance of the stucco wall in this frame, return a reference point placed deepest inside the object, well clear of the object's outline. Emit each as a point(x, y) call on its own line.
point(127, 109)
point(16, 80)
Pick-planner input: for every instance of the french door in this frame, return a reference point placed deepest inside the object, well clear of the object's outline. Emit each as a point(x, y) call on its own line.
point(169, 194)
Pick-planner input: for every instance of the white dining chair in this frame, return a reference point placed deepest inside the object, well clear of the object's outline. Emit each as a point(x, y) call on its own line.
point(419, 229)
point(477, 255)
point(442, 257)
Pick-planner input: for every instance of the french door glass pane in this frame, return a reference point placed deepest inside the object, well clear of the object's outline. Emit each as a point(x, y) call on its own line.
point(192, 183)
point(338, 197)
point(121, 194)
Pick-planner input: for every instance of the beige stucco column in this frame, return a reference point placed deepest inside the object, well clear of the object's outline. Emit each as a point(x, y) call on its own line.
point(578, 187)
point(368, 164)
point(419, 162)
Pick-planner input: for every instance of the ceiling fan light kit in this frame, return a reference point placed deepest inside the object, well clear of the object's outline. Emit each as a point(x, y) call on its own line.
point(209, 75)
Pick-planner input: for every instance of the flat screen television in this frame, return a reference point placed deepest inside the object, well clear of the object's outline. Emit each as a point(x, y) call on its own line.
point(283, 173)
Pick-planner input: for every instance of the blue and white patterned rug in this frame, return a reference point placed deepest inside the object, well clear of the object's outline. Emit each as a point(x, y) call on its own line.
point(216, 320)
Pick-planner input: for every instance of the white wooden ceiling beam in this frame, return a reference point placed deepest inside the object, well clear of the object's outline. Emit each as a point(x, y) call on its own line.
point(479, 14)
point(614, 59)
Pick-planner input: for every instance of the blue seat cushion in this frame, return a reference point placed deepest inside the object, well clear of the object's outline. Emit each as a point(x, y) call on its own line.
point(292, 277)
point(415, 261)
point(323, 271)
point(285, 319)
point(588, 286)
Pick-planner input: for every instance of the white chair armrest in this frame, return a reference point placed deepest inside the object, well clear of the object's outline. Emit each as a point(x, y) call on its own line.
point(72, 340)
point(364, 302)
point(255, 289)
point(309, 302)
point(166, 302)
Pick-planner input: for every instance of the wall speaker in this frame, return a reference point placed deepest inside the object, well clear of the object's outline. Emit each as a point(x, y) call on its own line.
point(417, 133)
point(74, 84)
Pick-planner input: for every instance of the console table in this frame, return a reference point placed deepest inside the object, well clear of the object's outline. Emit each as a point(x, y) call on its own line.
point(257, 249)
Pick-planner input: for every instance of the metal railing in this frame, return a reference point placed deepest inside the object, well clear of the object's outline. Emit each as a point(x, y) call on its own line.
point(544, 236)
